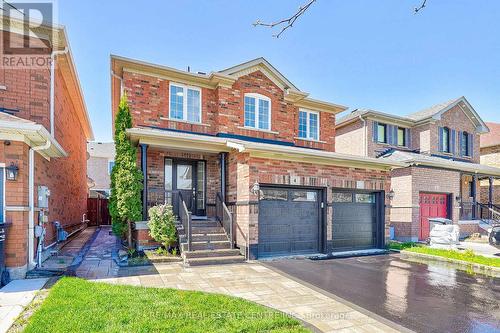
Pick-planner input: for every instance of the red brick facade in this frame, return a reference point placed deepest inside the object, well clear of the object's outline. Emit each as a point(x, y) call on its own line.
point(28, 92)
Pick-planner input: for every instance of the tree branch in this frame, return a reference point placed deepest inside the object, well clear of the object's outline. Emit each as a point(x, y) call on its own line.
point(422, 6)
point(287, 22)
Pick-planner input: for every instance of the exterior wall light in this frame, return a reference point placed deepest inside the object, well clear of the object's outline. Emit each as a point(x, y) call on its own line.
point(391, 195)
point(255, 188)
point(12, 171)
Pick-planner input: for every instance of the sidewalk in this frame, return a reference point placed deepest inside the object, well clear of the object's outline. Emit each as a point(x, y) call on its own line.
point(14, 297)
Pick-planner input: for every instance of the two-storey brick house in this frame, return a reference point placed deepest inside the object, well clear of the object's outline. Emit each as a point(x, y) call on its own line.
point(44, 128)
point(440, 146)
point(245, 144)
point(490, 155)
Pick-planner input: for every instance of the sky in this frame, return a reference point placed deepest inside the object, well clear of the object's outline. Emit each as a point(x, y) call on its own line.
point(373, 54)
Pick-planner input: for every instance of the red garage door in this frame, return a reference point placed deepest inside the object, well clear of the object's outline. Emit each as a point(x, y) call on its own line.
point(431, 205)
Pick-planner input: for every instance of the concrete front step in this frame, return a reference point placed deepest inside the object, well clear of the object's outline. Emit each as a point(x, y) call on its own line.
point(214, 260)
point(205, 237)
point(210, 253)
point(204, 245)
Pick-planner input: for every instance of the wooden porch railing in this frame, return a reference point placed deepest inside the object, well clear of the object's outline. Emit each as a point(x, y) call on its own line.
point(225, 217)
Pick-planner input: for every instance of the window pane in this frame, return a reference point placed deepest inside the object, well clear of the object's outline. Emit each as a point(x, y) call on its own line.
point(401, 137)
point(110, 166)
point(184, 177)
point(193, 105)
point(263, 114)
point(268, 194)
point(302, 124)
point(176, 102)
point(446, 140)
point(310, 196)
point(342, 197)
point(168, 175)
point(465, 144)
point(313, 126)
point(200, 187)
point(250, 111)
point(381, 133)
point(365, 198)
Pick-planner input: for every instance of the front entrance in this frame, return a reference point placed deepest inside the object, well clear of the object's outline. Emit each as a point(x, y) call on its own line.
point(187, 177)
point(431, 205)
point(289, 221)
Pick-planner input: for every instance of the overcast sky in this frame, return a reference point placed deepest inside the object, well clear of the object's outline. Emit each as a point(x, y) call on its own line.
point(360, 53)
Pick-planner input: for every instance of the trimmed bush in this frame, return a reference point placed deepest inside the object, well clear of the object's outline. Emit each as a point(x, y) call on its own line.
point(162, 225)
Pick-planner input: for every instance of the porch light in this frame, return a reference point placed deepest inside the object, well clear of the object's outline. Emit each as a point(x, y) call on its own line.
point(255, 188)
point(12, 171)
point(391, 195)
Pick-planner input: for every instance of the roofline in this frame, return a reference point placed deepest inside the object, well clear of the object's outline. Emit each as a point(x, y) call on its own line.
point(218, 144)
point(374, 114)
point(212, 80)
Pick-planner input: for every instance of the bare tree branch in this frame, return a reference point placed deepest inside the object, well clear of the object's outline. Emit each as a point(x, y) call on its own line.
point(422, 6)
point(287, 22)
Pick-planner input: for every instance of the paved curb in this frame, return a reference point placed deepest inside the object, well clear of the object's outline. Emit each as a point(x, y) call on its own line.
point(465, 265)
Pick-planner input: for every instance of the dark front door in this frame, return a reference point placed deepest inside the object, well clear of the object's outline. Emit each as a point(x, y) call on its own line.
point(289, 221)
point(188, 178)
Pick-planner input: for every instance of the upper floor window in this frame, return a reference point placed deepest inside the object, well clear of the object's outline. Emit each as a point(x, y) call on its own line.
point(111, 164)
point(257, 111)
point(185, 103)
point(444, 139)
point(308, 125)
point(402, 137)
point(381, 133)
point(466, 142)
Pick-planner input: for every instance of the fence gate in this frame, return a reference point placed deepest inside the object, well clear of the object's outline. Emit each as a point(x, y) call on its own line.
point(97, 211)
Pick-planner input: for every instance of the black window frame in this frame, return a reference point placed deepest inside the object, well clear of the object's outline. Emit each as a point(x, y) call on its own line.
point(464, 149)
point(384, 126)
point(446, 144)
point(403, 130)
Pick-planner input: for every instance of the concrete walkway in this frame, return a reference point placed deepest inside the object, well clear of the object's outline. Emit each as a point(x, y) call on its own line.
point(483, 249)
point(257, 283)
point(14, 297)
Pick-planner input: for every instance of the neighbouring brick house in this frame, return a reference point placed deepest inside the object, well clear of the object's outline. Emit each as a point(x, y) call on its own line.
point(248, 159)
point(46, 145)
point(99, 165)
point(440, 146)
point(490, 155)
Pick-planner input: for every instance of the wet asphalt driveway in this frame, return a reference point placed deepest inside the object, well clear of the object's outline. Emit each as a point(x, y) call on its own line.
point(421, 297)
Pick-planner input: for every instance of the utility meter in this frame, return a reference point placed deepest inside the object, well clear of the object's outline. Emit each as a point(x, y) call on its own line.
point(43, 196)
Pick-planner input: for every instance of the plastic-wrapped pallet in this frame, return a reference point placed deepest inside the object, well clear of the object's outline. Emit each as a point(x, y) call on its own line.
point(444, 236)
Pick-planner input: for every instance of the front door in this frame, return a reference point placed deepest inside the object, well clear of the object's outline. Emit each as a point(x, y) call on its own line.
point(188, 178)
point(431, 205)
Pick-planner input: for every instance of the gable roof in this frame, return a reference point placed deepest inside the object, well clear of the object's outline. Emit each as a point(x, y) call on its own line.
point(493, 137)
point(264, 66)
point(432, 113)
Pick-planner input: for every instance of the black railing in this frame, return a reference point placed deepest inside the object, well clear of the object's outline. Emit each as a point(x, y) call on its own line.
point(225, 217)
point(466, 211)
point(489, 213)
point(185, 218)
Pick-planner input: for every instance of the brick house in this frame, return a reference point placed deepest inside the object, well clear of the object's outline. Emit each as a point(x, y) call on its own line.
point(248, 161)
point(490, 155)
point(45, 144)
point(440, 146)
point(99, 165)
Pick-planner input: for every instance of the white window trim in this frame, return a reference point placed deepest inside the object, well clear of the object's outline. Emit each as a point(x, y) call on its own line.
point(184, 102)
point(257, 97)
point(109, 170)
point(308, 137)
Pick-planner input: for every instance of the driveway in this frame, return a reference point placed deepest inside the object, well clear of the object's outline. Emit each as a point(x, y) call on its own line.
point(421, 297)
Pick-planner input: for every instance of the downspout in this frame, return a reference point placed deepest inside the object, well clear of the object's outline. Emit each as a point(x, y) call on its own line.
point(52, 86)
point(31, 200)
point(365, 136)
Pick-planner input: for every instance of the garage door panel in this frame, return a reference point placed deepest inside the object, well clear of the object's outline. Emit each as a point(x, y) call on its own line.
point(288, 226)
point(354, 223)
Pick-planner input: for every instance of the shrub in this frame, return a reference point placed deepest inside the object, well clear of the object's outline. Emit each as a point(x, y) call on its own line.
point(162, 225)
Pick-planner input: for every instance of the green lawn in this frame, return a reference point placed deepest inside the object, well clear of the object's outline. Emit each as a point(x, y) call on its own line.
point(75, 305)
point(468, 256)
point(400, 246)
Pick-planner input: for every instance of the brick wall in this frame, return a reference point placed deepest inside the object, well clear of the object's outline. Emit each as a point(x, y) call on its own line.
point(407, 185)
point(245, 170)
point(222, 109)
point(351, 139)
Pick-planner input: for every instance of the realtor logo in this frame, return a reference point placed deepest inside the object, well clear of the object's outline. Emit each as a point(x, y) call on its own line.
point(27, 33)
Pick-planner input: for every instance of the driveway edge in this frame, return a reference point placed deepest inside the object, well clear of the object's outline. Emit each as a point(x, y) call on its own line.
point(343, 301)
